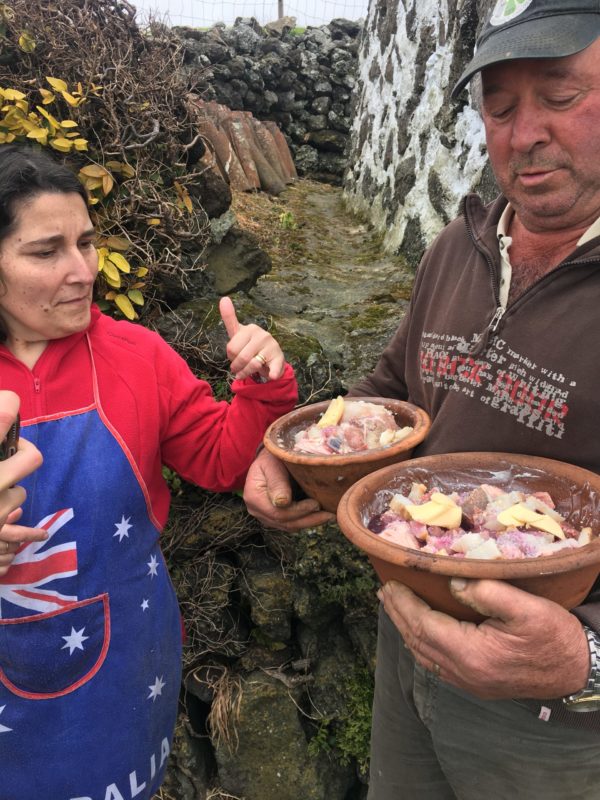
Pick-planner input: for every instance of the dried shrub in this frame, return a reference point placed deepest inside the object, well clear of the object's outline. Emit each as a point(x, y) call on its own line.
point(127, 94)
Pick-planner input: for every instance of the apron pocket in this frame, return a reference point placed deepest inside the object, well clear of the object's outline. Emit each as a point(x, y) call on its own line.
point(49, 655)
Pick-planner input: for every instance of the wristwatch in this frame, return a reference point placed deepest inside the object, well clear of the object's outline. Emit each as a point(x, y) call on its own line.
point(588, 699)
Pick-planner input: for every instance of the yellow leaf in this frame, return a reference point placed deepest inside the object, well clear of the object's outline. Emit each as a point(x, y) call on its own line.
point(93, 200)
point(57, 84)
point(127, 171)
point(154, 221)
point(115, 284)
point(80, 144)
point(187, 202)
point(93, 171)
point(68, 123)
point(107, 184)
point(14, 94)
point(138, 285)
point(52, 120)
point(23, 105)
point(40, 134)
point(62, 145)
point(72, 101)
point(111, 272)
point(136, 297)
point(26, 43)
point(141, 271)
point(123, 303)
point(110, 295)
point(118, 243)
point(91, 184)
point(47, 97)
point(114, 165)
point(119, 261)
point(103, 251)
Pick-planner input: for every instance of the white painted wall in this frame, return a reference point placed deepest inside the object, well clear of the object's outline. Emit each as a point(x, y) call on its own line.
point(457, 155)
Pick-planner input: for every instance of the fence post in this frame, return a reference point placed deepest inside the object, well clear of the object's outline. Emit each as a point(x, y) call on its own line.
point(279, 9)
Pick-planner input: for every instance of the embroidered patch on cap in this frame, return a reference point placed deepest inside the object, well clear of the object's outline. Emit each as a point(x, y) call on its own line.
point(505, 10)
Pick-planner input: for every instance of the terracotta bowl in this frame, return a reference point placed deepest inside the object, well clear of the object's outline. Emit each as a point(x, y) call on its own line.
point(326, 478)
point(565, 577)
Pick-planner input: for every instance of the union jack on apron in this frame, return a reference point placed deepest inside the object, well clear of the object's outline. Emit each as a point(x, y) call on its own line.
point(90, 634)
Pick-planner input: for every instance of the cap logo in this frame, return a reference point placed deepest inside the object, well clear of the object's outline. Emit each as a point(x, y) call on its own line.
point(505, 10)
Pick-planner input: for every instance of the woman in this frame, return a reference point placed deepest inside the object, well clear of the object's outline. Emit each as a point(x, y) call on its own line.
point(90, 636)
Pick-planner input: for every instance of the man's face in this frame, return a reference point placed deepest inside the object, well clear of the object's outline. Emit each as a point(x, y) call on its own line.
point(542, 122)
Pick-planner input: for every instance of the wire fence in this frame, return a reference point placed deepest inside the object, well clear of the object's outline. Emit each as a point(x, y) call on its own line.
point(199, 14)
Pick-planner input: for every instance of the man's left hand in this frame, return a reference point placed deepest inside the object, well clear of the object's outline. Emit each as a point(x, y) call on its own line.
point(527, 647)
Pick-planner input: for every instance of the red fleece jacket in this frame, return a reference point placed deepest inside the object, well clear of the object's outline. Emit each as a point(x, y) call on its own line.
point(160, 410)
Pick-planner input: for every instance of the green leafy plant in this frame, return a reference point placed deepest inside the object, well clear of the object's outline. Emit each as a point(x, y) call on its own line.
point(287, 221)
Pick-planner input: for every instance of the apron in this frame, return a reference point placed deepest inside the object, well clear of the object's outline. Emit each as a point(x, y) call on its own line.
point(90, 632)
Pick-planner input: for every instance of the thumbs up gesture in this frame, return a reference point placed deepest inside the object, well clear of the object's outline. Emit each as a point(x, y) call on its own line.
point(251, 350)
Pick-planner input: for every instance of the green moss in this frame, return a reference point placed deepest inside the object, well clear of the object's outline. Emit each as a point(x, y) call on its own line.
point(339, 571)
point(370, 317)
point(348, 737)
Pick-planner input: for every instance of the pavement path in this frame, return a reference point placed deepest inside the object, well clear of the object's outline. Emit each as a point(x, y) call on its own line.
point(340, 287)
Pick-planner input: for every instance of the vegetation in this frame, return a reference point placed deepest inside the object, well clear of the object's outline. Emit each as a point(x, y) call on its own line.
point(82, 79)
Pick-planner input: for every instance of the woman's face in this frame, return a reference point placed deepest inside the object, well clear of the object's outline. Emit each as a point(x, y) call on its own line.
point(48, 264)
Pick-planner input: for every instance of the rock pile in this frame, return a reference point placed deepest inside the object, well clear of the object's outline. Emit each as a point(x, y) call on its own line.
point(303, 82)
point(246, 153)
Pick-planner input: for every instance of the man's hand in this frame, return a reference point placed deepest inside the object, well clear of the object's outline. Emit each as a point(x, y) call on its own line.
point(268, 496)
point(528, 646)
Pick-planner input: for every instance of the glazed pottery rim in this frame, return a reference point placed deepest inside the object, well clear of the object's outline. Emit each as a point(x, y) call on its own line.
point(455, 566)
point(421, 425)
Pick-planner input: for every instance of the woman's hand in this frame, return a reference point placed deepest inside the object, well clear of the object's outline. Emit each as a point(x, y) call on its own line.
point(27, 459)
point(251, 350)
point(268, 497)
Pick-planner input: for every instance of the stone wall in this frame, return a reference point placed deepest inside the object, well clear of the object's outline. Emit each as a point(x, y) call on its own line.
point(415, 152)
point(303, 82)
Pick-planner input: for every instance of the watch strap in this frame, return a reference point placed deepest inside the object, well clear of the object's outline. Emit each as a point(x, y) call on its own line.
point(591, 691)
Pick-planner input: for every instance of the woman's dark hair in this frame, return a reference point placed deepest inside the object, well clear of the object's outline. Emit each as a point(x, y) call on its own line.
point(26, 173)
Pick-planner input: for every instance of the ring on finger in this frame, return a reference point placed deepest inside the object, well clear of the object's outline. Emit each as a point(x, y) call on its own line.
point(261, 358)
point(6, 548)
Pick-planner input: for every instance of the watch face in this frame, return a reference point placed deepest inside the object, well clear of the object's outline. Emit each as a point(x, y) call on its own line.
point(591, 703)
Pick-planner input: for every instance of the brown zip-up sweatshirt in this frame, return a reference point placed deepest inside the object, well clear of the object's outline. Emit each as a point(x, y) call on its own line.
point(522, 380)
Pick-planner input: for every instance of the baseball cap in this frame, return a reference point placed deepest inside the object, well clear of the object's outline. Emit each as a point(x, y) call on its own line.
point(533, 29)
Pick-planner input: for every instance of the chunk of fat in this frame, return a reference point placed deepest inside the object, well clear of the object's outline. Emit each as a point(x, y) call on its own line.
point(585, 536)
point(467, 542)
point(400, 535)
point(489, 549)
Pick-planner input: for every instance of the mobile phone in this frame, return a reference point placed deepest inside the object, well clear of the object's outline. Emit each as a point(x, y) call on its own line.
point(10, 442)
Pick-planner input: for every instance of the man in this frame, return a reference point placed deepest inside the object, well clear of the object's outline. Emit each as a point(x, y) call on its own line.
point(500, 347)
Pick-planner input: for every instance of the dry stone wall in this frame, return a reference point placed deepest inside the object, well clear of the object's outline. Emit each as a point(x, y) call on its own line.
point(414, 152)
point(304, 82)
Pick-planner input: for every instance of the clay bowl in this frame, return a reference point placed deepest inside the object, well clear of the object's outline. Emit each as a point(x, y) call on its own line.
point(326, 478)
point(565, 577)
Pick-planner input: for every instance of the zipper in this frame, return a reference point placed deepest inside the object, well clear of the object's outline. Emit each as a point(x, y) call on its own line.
point(479, 346)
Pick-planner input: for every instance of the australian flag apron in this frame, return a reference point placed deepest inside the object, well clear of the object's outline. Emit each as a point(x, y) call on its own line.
point(90, 635)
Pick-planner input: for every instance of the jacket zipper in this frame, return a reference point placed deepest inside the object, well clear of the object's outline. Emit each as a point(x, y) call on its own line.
point(480, 344)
